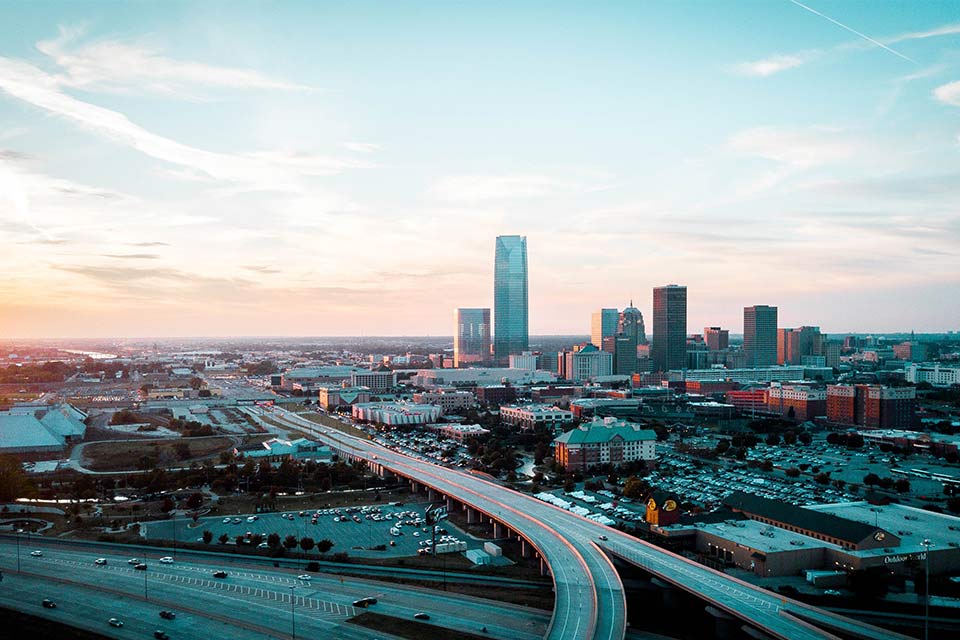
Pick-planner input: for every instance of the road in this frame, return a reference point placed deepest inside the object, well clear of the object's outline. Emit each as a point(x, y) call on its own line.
point(589, 594)
point(250, 602)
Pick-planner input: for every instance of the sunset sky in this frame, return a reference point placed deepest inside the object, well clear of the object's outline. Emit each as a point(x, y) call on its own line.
point(248, 168)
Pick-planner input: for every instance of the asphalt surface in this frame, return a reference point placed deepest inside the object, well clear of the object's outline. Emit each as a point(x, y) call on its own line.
point(251, 602)
point(590, 600)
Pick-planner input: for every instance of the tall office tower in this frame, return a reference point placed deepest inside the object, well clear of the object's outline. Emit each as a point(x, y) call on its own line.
point(760, 335)
point(510, 297)
point(717, 339)
point(631, 324)
point(471, 336)
point(794, 344)
point(603, 324)
point(669, 350)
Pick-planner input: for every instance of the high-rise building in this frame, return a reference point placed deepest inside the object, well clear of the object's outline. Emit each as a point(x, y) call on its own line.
point(717, 339)
point(631, 324)
point(588, 362)
point(760, 335)
point(471, 336)
point(510, 297)
point(669, 349)
point(603, 324)
point(794, 344)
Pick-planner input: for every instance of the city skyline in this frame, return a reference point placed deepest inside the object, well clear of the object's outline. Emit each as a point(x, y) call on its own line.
point(199, 171)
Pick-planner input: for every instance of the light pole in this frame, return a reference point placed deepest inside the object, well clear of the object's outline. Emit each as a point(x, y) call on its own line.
point(19, 531)
point(145, 586)
point(926, 591)
point(293, 618)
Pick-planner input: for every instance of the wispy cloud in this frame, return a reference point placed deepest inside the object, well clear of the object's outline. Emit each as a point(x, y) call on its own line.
point(476, 188)
point(361, 147)
point(772, 65)
point(274, 170)
point(112, 65)
point(948, 93)
point(132, 256)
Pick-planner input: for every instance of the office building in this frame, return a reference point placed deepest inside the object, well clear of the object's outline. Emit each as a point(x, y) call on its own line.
point(630, 323)
point(380, 378)
point(471, 337)
point(511, 332)
point(531, 416)
point(938, 375)
point(526, 360)
point(588, 362)
point(624, 354)
point(603, 324)
point(449, 400)
point(912, 351)
point(760, 335)
point(794, 344)
point(716, 339)
point(669, 349)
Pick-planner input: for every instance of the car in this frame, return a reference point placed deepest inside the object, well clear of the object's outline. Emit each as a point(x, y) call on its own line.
point(226, 521)
point(161, 635)
point(304, 576)
point(263, 545)
point(140, 567)
point(364, 602)
point(49, 604)
point(236, 521)
point(831, 592)
point(133, 561)
point(166, 560)
point(220, 574)
point(250, 519)
point(421, 616)
point(115, 622)
point(603, 537)
point(100, 561)
point(36, 554)
point(168, 615)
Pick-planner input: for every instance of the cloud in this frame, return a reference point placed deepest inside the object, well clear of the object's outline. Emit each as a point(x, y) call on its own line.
point(132, 256)
point(362, 147)
point(273, 170)
point(149, 244)
point(948, 93)
point(16, 156)
point(483, 188)
point(771, 65)
point(784, 62)
point(800, 148)
point(261, 269)
point(111, 65)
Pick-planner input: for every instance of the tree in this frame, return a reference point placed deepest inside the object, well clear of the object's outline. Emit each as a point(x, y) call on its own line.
point(13, 481)
point(323, 546)
point(256, 539)
point(290, 542)
point(239, 539)
point(306, 543)
point(772, 439)
point(167, 505)
point(635, 488)
point(196, 383)
point(182, 449)
point(766, 465)
point(822, 478)
point(569, 486)
point(195, 500)
point(273, 540)
point(223, 538)
point(207, 536)
point(902, 485)
point(871, 479)
point(792, 472)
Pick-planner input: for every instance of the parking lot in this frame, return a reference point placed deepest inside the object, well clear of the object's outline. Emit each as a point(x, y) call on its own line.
point(354, 530)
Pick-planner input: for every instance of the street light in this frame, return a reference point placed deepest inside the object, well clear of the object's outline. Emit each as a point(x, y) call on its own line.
point(19, 531)
point(145, 586)
point(926, 591)
point(293, 619)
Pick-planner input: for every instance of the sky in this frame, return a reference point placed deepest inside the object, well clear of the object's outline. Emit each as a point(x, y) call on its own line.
point(320, 168)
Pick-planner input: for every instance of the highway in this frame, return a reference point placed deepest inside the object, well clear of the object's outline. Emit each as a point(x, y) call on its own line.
point(250, 602)
point(590, 600)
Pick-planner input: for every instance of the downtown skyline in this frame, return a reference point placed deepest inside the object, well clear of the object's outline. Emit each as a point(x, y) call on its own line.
point(182, 172)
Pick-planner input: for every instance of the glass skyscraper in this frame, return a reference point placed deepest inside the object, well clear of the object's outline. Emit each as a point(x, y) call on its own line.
point(669, 349)
point(511, 333)
point(471, 340)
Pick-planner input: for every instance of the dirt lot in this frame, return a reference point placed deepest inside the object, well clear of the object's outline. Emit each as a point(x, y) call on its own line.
point(125, 455)
point(409, 628)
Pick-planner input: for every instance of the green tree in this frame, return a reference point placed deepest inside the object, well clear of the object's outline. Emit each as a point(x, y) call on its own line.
point(871, 479)
point(223, 538)
point(207, 536)
point(635, 488)
point(792, 472)
point(290, 542)
point(195, 500)
point(273, 540)
point(306, 543)
point(324, 546)
point(13, 481)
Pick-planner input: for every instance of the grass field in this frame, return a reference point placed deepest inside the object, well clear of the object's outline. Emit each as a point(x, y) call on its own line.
point(333, 423)
point(125, 455)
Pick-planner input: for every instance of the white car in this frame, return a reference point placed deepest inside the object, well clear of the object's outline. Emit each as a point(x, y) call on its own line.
point(250, 519)
point(226, 521)
point(100, 561)
point(36, 554)
point(166, 560)
point(133, 561)
point(305, 577)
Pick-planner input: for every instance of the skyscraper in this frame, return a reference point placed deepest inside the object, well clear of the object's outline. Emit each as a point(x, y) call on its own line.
point(603, 324)
point(510, 297)
point(669, 350)
point(716, 338)
point(471, 336)
point(760, 335)
point(631, 324)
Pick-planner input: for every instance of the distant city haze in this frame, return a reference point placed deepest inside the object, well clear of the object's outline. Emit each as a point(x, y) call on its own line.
point(240, 169)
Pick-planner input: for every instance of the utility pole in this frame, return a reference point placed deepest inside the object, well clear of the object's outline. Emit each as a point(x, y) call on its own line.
point(926, 591)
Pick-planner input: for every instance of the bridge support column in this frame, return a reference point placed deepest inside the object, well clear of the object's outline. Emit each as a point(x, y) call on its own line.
point(525, 550)
point(414, 487)
point(670, 594)
point(497, 530)
point(544, 569)
point(449, 504)
point(724, 625)
point(431, 495)
point(472, 516)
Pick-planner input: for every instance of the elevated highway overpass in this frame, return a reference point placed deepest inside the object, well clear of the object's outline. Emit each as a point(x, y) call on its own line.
point(590, 597)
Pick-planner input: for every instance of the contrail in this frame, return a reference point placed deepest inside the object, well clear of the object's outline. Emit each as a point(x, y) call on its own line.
point(854, 31)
